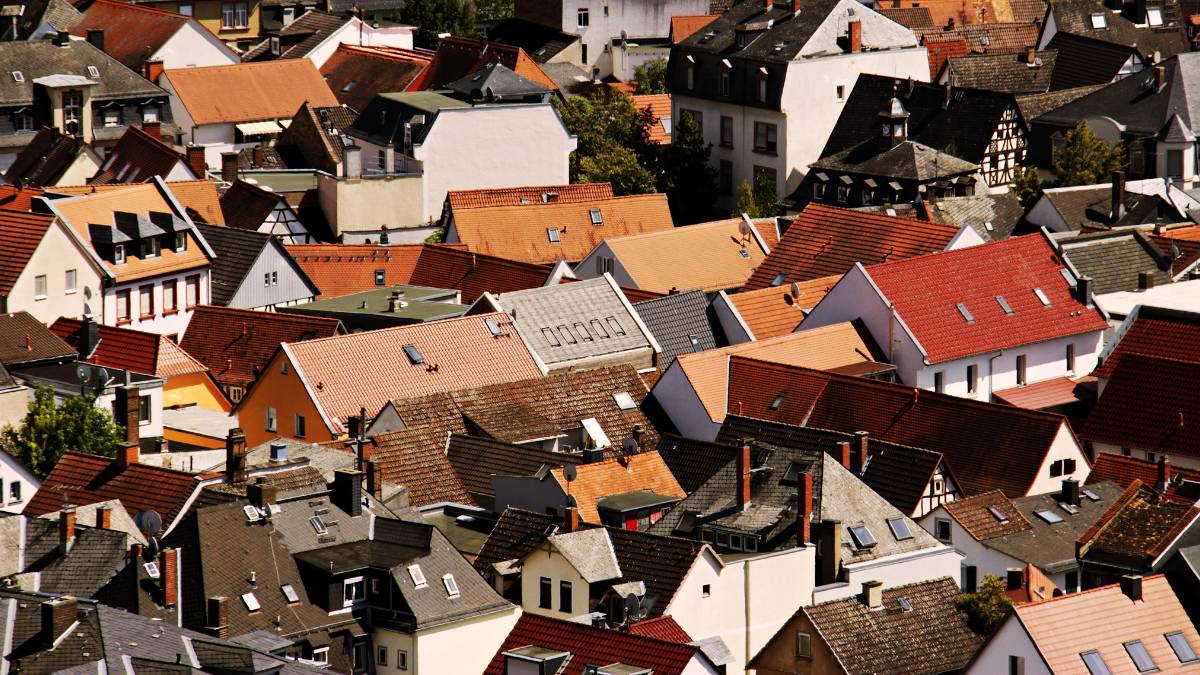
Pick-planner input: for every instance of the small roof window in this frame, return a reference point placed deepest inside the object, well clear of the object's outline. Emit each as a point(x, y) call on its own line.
point(1069, 508)
point(318, 525)
point(745, 253)
point(1154, 16)
point(863, 539)
point(596, 216)
point(905, 605)
point(1041, 296)
point(1048, 516)
point(997, 514)
point(1091, 495)
point(493, 327)
point(151, 570)
point(18, 76)
point(414, 355)
point(899, 528)
point(451, 585)
point(624, 400)
point(966, 313)
point(695, 342)
point(778, 401)
point(251, 602)
point(1179, 645)
point(417, 576)
point(779, 279)
point(252, 513)
point(93, 71)
point(1004, 305)
point(1099, 21)
point(1095, 663)
point(1141, 658)
point(289, 593)
point(552, 233)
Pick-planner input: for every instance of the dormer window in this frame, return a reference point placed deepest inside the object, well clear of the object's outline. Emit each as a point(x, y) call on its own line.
point(451, 585)
point(180, 242)
point(119, 254)
point(150, 113)
point(1099, 21)
point(151, 248)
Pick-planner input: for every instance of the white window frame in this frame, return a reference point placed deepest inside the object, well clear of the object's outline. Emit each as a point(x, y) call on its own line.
point(71, 281)
point(40, 287)
point(272, 419)
point(358, 599)
point(320, 655)
point(582, 17)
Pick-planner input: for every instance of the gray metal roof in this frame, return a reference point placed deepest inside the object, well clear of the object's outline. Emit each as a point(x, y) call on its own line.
point(1051, 547)
point(41, 59)
point(680, 323)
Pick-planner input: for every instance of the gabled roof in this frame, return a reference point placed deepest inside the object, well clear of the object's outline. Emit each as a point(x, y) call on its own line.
point(1154, 332)
point(661, 628)
point(128, 349)
point(1069, 625)
point(1122, 28)
point(913, 17)
point(85, 479)
point(927, 290)
point(907, 161)
point(314, 138)
point(93, 558)
point(683, 27)
point(989, 445)
point(978, 515)
point(572, 193)
point(463, 351)
point(681, 324)
point(249, 92)
point(42, 58)
point(993, 217)
point(443, 266)
point(775, 311)
point(139, 156)
point(932, 631)
point(45, 158)
point(1089, 207)
point(1115, 261)
point(25, 340)
point(356, 74)
point(1011, 73)
point(198, 197)
point(424, 470)
point(542, 43)
point(458, 56)
point(237, 251)
point(826, 240)
point(236, 344)
point(1157, 393)
point(300, 37)
point(1124, 470)
point(527, 232)
point(474, 460)
point(19, 199)
point(132, 32)
point(709, 256)
point(630, 473)
point(940, 50)
point(1083, 61)
point(902, 474)
point(342, 269)
point(246, 206)
point(1138, 527)
point(589, 645)
point(1033, 106)
point(515, 535)
point(495, 82)
point(20, 235)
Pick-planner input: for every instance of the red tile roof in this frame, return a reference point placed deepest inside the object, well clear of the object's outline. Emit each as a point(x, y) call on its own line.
point(974, 514)
point(132, 32)
point(1164, 333)
point(19, 199)
point(1138, 527)
point(489, 197)
point(458, 57)
point(235, 344)
point(87, 479)
point(660, 628)
point(20, 235)
point(1159, 394)
point(592, 646)
point(442, 266)
point(356, 74)
point(940, 50)
point(135, 350)
point(826, 240)
point(138, 156)
point(1124, 470)
point(990, 446)
point(249, 92)
point(683, 26)
point(1059, 391)
point(925, 291)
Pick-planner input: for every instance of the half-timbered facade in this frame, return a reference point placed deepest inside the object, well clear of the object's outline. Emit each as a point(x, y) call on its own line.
point(1006, 150)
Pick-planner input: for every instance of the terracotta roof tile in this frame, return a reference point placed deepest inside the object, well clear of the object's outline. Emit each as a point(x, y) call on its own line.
point(521, 232)
point(925, 291)
point(20, 235)
point(707, 256)
point(141, 352)
point(199, 197)
point(1069, 625)
point(1161, 333)
point(235, 344)
point(86, 479)
point(590, 646)
point(940, 50)
point(132, 32)
point(423, 469)
point(660, 628)
point(458, 57)
point(1051, 393)
point(975, 515)
point(1157, 392)
point(1124, 470)
point(593, 482)
point(447, 266)
point(911, 17)
point(777, 310)
point(990, 446)
point(1137, 528)
point(463, 350)
point(24, 339)
point(660, 109)
point(137, 157)
point(993, 38)
point(18, 199)
point(563, 194)
point(249, 92)
point(356, 74)
point(825, 240)
point(683, 26)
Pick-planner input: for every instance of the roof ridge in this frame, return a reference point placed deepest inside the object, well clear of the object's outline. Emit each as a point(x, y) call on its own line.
point(276, 316)
point(138, 465)
point(411, 327)
point(141, 7)
point(1081, 593)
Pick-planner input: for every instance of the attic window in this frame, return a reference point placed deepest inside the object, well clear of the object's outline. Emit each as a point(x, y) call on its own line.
point(252, 514)
point(1179, 645)
point(1141, 658)
point(775, 404)
point(451, 585)
point(380, 277)
point(18, 76)
point(905, 605)
point(1095, 663)
point(493, 327)
point(318, 525)
point(863, 539)
point(695, 342)
point(745, 253)
point(1154, 16)
point(552, 233)
point(615, 326)
point(1099, 20)
point(779, 279)
point(1041, 296)
point(349, 85)
point(1004, 305)
point(1069, 508)
point(93, 72)
point(596, 216)
point(251, 602)
point(289, 593)
point(1048, 516)
point(1091, 495)
point(899, 529)
point(624, 400)
point(151, 570)
point(417, 576)
point(966, 314)
point(998, 514)
point(414, 355)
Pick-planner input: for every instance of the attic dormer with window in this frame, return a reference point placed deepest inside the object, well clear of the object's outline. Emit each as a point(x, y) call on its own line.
point(141, 237)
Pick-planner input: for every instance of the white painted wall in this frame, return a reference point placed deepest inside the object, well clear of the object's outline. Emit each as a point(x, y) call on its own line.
point(895, 570)
point(591, 267)
point(463, 646)
point(607, 18)
point(678, 399)
point(57, 253)
point(974, 553)
point(356, 32)
point(194, 46)
point(1009, 640)
point(1065, 446)
point(735, 329)
point(166, 324)
point(13, 404)
point(365, 204)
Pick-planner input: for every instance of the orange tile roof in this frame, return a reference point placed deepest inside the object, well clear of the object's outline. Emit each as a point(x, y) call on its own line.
point(473, 274)
point(777, 310)
point(643, 471)
point(248, 92)
point(706, 256)
point(19, 199)
point(458, 57)
point(135, 350)
point(370, 368)
point(199, 197)
point(1104, 619)
point(20, 235)
point(489, 197)
point(826, 240)
point(684, 26)
point(1190, 233)
point(1124, 470)
point(975, 516)
point(520, 232)
point(822, 348)
point(660, 107)
point(342, 269)
point(98, 209)
point(940, 50)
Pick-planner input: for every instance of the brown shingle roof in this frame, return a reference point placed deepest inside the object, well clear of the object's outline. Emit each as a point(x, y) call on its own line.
point(991, 38)
point(137, 157)
point(424, 469)
point(24, 339)
point(1124, 470)
point(249, 92)
point(975, 515)
point(912, 17)
point(774, 311)
point(516, 534)
point(458, 57)
point(521, 232)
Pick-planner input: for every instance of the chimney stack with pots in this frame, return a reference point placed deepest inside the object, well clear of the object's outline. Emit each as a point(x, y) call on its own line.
point(235, 456)
point(862, 453)
point(743, 477)
point(126, 411)
point(218, 617)
point(229, 166)
point(872, 594)
point(854, 35)
point(169, 576)
point(347, 491)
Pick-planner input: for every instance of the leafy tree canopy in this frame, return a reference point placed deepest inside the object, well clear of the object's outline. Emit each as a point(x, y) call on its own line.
point(50, 429)
point(651, 77)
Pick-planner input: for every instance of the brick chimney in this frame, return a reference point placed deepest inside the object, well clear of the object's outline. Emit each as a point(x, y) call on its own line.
point(194, 156)
point(235, 456)
point(1145, 281)
point(854, 35)
point(153, 129)
point(218, 617)
point(796, 6)
point(1131, 586)
point(844, 455)
point(1160, 77)
point(1070, 492)
point(1164, 474)
point(872, 594)
point(768, 4)
point(57, 616)
point(743, 477)
point(125, 412)
point(804, 507)
point(169, 576)
point(66, 528)
point(1030, 55)
point(104, 518)
point(863, 452)
point(1084, 291)
point(229, 166)
point(347, 491)
point(152, 70)
point(571, 520)
point(261, 493)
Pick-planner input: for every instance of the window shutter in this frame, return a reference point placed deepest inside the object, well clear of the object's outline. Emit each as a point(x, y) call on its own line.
point(803, 645)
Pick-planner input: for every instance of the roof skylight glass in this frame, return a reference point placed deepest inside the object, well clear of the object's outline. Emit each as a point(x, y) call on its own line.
point(417, 576)
point(779, 279)
point(251, 602)
point(1099, 20)
point(414, 355)
point(318, 525)
point(1091, 495)
point(1179, 645)
point(778, 401)
point(899, 528)
point(1041, 296)
point(289, 593)
point(966, 313)
point(1095, 663)
point(862, 537)
point(451, 585)
point(997, 514)
point(1141, 657)
point(1004, 305)
point(1048, 516)
point(552, 233)
point(596, 216)
point(624, 400)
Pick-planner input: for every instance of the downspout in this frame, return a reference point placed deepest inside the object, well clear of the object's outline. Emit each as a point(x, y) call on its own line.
point(746, 592)
point(992, 372)
point(891, 331)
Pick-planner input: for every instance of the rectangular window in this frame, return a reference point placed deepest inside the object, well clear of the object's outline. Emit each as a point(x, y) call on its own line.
point(123, 306)
point(266, 279)
point(764, 137)
point(545, 593)
point(840, 92)
point(185, 9)
point(762, 89)
point(583, 54)
point(1140, 656)
point(353, 590)
point(271, 420)
point(696, 115)
point(381, 161)
point(971, 583)
point(234, 15)
point(1175, 163)
point(1070, 358)
point(941, 529)
point(691, 76)
point(1072, 582)
point(939, 382)
point(14, 495)
point(581, 17)
point(146, 301)
point(39, 287)
point(1022, 380)
point(112, 117)
point(723, 82)
point(151, 248)
point(1179, 645)
point(401, 659)
point(23, 122)
point(726, 131)
point(119, 254)
point(170, 296)
point(71, 281)
point(143, 409)
point(320, 655)
point(192, 295)
point(299, 425)
point(180, 242)
point(972, 378)
point(1016, 665)
point(725, 177)
point(72, 107)
point(564, 596)
point(803, 645)
point(381, 656)
point(150, 113)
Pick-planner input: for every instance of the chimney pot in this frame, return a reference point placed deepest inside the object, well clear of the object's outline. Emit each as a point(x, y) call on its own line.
point(872, 594)
point(126, 405)
point(829, 562)
point(374, 479)
point(104, 518)
point(1030, 55)
point(864, 452)
point(89, 336)
point(235, 456)
point(571, 521)
point(1117, 210)
point(218, 617)
point(1131, 586)
point(1083, 289)
point(169, 576)
point(743, 484)
point(193, 157)
point(1160, 77)
point(229, 166)
point(853, 35)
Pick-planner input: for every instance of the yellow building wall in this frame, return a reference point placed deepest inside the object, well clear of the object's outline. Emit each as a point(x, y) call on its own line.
point(195, 388)
point(208, 14)
point(285, 393)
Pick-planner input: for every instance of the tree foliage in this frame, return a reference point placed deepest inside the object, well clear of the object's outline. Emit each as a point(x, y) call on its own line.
point(613, 142)
point(687, 178)
point(1027, 185)
point(757, 201)
point(617, 165)
point(651, 77)
point(433, 17)
point(986, 608)
point(49, 430)
point(491, 12)
point(1086, 159)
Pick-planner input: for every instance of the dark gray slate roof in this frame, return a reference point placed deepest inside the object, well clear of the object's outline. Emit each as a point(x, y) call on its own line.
point(680, 323)
point(1114, 261)
point(91, 562)
point(992, 216)
point(1084, 61)
point(542, 43)
point(493, 82)
point(908, 160)
point(1091, 206)
point(1049, 547)
point(1004, 72)
point(1075, 17)
point(43, 58)
point(516, 534)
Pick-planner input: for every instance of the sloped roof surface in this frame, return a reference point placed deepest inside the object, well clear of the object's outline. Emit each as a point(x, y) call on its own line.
point(1124, 470)
point(1075, 17)
point(595, 481)
point(542, 43)
point(975, 515)
point(777, 310)
point(993, 217)
point(459, 56)
point(357, 74)
point(135, 350)
point(680, 323)
point(1005, 72)
point(24, 339)
point(517, 196)
point(1115, 263)
point(707, 256)
point(249, 92)
point(1157, 393)
point(515, 534)
point(1159, 333)
point(132, 32)
point(42, 58)
point(44, 158)
point(138, 156)
point(20, 235)
point(424, 470)
point(85, 479)
point(442, 266)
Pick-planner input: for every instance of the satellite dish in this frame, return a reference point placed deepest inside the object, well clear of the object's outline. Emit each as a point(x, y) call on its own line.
point(103, 379)
point(744, 226)
point(82, 372)
point(629, 446)
point(795, 290)
point(148, 523)
point(570, 472)
point(630, 605)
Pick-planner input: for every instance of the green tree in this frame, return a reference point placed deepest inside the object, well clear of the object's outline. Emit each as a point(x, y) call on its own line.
point(488, 13)
point(1027, 185)
point(619, 166)
point(433, 17)
point(986, 608)
point(49, 430)
point(1086, 159)
point(757, 201)
point(613, 142)
point(651, 77)
point(687, 178)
